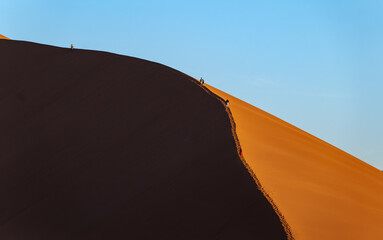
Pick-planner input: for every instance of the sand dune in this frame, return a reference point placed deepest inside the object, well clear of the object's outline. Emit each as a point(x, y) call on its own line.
point(323, 192)
point(100, 146)
point(3, 37)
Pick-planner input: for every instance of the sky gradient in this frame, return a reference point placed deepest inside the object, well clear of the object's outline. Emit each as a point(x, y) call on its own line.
point(315, 64)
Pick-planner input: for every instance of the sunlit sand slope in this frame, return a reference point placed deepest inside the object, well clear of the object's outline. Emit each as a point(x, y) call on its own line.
point(323, 192)
point(100, 146)
point(3, 37)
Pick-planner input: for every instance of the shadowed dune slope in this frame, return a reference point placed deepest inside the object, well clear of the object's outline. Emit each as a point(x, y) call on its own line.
point(323, 192)
point(100, 146)
point(3, 37)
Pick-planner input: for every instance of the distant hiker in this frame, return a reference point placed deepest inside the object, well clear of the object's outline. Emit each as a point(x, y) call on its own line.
point(202, 81)
point(240, 151)
point(227, 102)
point(71, 46)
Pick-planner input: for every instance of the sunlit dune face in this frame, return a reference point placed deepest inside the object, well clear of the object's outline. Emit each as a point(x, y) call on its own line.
point(323, 192)
point(3, 37)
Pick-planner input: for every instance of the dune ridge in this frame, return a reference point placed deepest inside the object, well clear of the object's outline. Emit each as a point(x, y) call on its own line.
point(285, 224)
point(98, 146)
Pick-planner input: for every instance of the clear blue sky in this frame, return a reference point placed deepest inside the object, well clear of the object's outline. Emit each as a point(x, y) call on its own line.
point(316, 64)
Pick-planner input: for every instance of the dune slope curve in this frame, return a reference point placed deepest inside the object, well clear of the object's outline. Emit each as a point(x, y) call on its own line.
point(321, 191)
point(101, 146)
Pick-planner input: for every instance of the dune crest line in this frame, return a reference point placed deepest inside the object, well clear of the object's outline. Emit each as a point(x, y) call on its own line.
point(285, 225)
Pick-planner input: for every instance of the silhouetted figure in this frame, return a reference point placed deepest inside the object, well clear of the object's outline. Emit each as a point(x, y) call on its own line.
point(202, 81)
point(71, 46)
point(227, 102)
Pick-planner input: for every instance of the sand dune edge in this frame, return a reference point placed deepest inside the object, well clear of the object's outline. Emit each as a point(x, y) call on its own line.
point(285, 224)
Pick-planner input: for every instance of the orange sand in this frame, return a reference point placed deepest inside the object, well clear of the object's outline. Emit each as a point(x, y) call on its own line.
point(3, 37)
point(323, 192)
